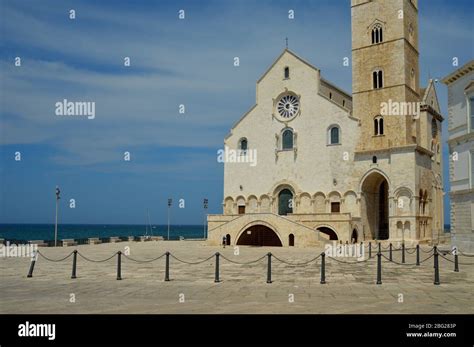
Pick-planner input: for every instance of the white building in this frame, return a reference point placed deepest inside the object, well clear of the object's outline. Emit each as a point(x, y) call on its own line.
point(331, 165)
point(461, 148)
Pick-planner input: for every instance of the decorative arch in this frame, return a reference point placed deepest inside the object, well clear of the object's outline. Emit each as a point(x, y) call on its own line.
point(403, 191)
point(403, 200)
point(240, 200)
point(228, 205)
point(304, 205)
point(350, 203)
point(282, 184)
point(334, 195)
point(252, 202)
point(319, 202)
point(265, 203)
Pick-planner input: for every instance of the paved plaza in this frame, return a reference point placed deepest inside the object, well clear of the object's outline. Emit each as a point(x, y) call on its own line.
point(350, 288)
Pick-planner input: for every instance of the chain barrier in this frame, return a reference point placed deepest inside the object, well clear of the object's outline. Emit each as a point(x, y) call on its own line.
point(349, 262)
point(295, 264)
point(55, 260)
point(410, 264)
point(96, 261)
point(189, 262)
point(246, 263)
point(143, 261)
point(269, 256)
point(452, 261)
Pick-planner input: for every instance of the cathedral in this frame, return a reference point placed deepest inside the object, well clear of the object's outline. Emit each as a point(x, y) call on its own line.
point(331, 165)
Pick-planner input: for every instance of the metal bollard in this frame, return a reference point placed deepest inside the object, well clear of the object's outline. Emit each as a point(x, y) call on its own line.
point(32, 265)
point(403, 253)
point(323, 268)
point(417, 255)
point(379, 268)
point(119, 265)
point(390, 253)
point(74, 261)
point(380, 249)
point(216, 277)
point(269, 269)
point(436, 266)
point(456, 264)
point(370, 249)
point(167, 267)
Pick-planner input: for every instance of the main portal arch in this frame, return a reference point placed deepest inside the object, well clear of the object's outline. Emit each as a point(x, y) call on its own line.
point(375, 208)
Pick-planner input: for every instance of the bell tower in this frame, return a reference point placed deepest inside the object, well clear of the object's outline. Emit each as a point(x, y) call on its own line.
point(385, 71)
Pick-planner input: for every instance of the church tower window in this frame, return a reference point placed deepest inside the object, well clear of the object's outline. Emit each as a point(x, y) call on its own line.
point(243, 143)
point(378, 125)
point(287, 72)
point(377, 35)
point(377, 79)
point(287, 139)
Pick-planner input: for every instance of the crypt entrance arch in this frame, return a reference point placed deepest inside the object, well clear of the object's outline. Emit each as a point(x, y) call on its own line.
point(375, 205)
point(259, 234)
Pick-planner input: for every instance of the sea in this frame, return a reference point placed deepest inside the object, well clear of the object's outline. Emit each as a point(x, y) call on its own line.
point(26, 232)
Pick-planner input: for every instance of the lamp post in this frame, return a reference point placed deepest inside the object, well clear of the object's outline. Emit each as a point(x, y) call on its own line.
point(56, 223)
point(205, 202)
point(170, 201)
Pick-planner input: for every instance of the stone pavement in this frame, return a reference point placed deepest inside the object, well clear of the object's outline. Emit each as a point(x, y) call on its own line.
point(350, 288)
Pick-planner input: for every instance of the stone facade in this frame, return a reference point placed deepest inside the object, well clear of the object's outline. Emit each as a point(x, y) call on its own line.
point(461, 148)
point(331, 165)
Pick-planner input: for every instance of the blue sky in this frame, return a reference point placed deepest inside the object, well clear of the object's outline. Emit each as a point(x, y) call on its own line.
point(173, 62)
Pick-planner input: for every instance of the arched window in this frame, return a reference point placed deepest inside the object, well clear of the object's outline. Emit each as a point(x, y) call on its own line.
point(285, 202)
point(377, 35)
point(243, 145)
point(287, 72)
point(287, 139)
point(334, 135)
point(378, 125)
point(374, 159)
point(377, 79)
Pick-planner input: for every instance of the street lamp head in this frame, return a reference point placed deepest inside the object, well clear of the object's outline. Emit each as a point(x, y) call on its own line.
point(170, 201)
point(57, 192)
